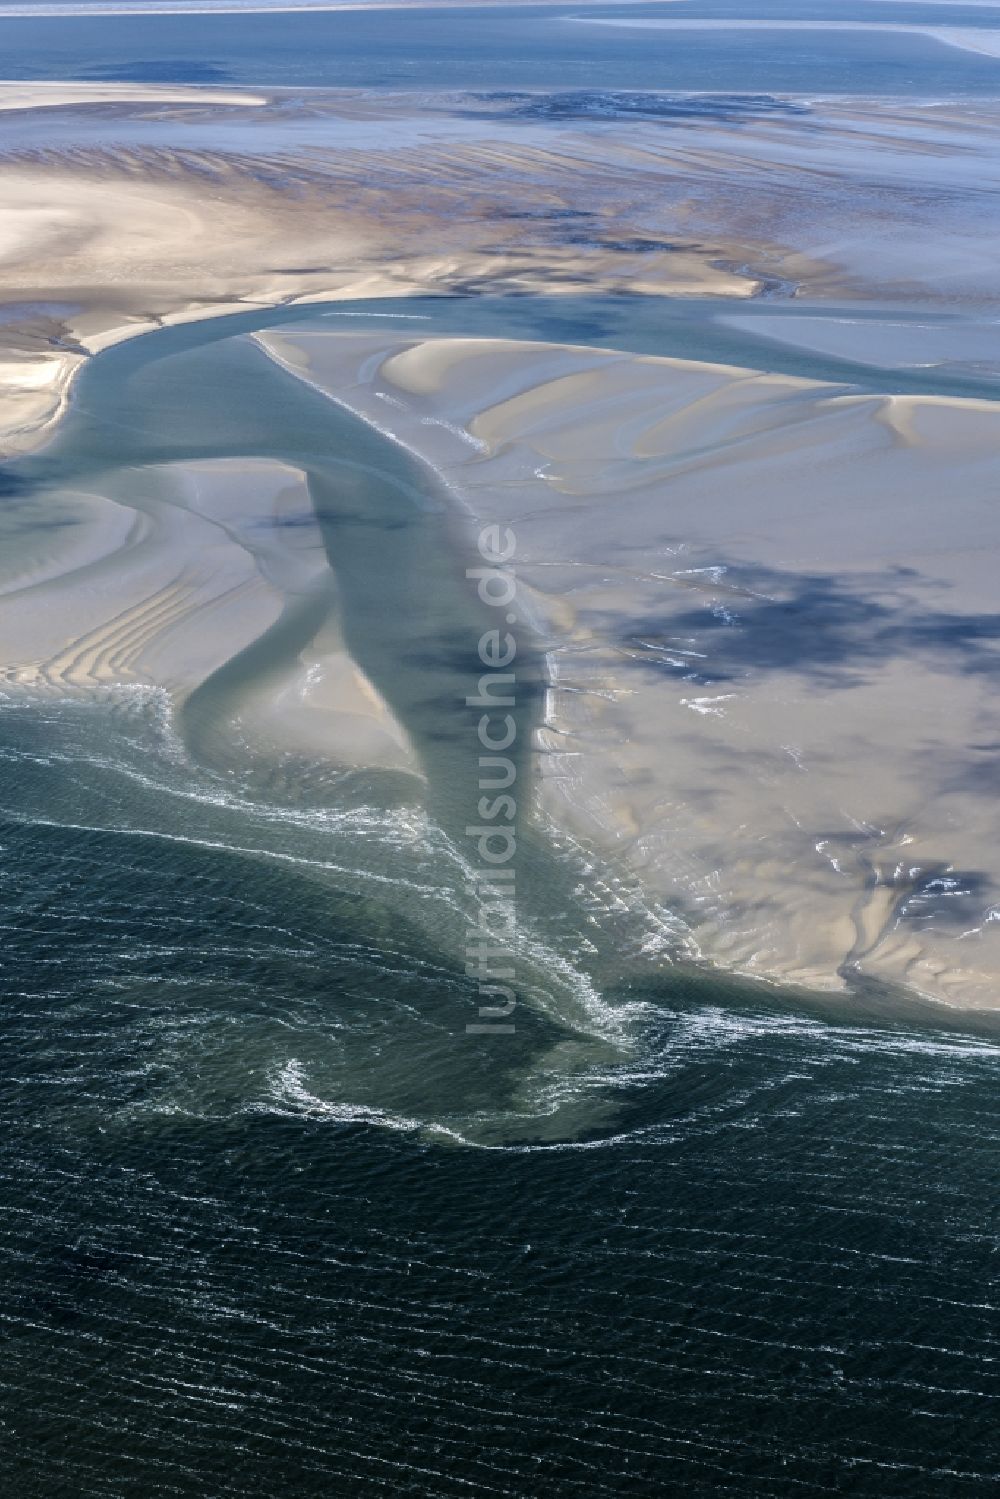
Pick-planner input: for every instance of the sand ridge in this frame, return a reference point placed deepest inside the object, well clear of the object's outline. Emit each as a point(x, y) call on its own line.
point(768, 639)
point(164, 578)
point(127, 207)
point(769, 644)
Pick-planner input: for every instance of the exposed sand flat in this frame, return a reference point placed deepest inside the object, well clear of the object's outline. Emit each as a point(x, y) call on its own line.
point(15, 94)
point(163, 578)
point(959, 345)
point(130, 207)
point(768, 651)
point(772, 630)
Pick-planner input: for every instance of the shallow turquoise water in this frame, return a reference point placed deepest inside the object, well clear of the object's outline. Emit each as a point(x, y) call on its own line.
point(276, 1226)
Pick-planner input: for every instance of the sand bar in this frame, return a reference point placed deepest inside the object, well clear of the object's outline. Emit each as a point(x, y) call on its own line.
point(769, 641)
point(127, 207)
point(166, 574)
point(771, 645)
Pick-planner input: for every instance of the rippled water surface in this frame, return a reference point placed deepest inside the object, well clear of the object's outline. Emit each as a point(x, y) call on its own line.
point(539, 46)
point(276, 1226)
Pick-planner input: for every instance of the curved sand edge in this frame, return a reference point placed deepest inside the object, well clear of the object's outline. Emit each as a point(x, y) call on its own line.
point(126, 207)
point(769, 643)
point(166, 577)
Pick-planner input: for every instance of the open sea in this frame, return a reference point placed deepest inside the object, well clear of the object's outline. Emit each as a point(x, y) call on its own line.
point(274, 1225)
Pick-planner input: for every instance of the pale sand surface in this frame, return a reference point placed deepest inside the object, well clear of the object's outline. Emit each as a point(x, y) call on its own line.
point(770, 612)
point(252, 7)
point(163, 578)
point(130, 207)
point(16, 94)
point(959, 345)
point(768, 652)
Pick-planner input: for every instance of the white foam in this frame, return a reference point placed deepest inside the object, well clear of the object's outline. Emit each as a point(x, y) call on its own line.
point(708, 705)
point(288, 1093)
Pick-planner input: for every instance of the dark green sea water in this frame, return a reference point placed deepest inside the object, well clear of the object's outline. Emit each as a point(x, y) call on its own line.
point(275, 1225)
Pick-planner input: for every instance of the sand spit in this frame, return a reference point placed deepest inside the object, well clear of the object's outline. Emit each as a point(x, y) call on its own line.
point(124, 207)
point(769, 606)
point(15, 94)
point(162, 578)
point(770, 615)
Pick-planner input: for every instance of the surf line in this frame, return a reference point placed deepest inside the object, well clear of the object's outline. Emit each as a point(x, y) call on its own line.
point(491, 942)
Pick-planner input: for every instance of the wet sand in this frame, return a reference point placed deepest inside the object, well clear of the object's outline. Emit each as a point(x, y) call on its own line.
point(771, 643)
point(165, 575)
point(126, 207)
point(766, 604)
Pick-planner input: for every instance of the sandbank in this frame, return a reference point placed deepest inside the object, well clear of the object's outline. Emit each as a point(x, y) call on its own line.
point(165, 576)
point(770, 641)
point(15, 94)
point(768, 637)
point(128, 207)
